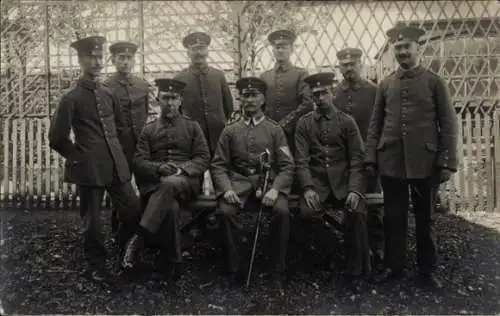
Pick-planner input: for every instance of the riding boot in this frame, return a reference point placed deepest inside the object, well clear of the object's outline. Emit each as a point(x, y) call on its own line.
point(132, 250)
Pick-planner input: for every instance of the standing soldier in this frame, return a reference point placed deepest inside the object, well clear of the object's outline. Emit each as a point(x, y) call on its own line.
point(411, 143)
point(235, 170)
point(132, 93)
point(329, 155)
point(171, 156)
point(287, 96)
point(95, 161)
point(207, 98)
point(355, 96)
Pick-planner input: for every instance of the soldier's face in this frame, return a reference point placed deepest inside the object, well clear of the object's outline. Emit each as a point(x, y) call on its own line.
point(170, 102)
point(350, 69)
point(198, 54)
point(406, 53)
point(124, 62)
point(252, 102)
point(323, 98)
point(282, 50)
point(91, 63)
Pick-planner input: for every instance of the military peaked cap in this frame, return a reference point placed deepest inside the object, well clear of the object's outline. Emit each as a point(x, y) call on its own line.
point(349, 54)
point(89, 45)
point(320, 80)
point(251, 84)
point(196, 38)
point(123, 48)
point(283, 35)
point(169, 85)
point(404, 33)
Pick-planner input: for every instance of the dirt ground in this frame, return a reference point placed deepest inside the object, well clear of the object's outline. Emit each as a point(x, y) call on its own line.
point(43, 272)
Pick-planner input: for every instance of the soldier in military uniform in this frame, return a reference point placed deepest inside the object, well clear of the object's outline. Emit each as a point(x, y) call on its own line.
point(95, 161)
point(355, 96)
point(207, 98)
point(287, 96)
point(132, 93)
point(171, 156)
point(329, 157)
point(235, 170)
point(412, 143)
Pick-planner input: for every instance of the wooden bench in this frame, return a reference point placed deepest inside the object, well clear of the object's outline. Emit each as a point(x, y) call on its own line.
point(204, 206)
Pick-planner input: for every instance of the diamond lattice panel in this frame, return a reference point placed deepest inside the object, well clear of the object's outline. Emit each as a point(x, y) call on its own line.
point(22, 63)
point(168, 22)
point(325, 28)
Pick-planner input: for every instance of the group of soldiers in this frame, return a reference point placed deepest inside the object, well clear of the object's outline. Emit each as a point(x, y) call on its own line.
point(328, 145)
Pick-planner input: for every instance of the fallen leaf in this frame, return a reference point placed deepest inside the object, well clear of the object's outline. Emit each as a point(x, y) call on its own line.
point(220, 308)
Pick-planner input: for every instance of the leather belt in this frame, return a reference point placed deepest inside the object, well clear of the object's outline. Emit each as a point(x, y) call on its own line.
point(247, 171)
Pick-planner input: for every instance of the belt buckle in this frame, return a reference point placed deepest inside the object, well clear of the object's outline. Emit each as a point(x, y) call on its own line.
point(252, 171)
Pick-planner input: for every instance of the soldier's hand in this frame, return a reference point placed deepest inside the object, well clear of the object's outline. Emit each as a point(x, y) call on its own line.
point(352, 201)
point(232, 198)
point(312, 200)
point(270, 197)
point(444, 175)
point(167, 169)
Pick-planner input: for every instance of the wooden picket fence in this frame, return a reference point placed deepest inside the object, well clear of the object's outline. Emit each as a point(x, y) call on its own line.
point(32, 173)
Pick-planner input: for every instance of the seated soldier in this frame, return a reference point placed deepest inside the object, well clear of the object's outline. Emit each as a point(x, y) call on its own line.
point(329, 155)
point(236, 176)
point(171, 157)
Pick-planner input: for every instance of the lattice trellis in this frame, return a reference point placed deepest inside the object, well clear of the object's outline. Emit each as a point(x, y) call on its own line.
point(462, 44)
point(326, 27)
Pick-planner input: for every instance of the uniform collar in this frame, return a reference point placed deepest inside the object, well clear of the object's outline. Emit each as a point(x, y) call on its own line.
point(197, 69)
point(124, 78)
point(88, 83)
point(254, 121)
point(171, 119)
point(283, 67)
point(318, 115)
point(410, 73)
point(355, 85)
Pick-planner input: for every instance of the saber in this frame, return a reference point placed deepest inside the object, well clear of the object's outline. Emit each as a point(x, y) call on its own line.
point(265, 164)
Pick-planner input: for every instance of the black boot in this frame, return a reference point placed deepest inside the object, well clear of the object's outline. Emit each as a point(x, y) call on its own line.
point(132, 249)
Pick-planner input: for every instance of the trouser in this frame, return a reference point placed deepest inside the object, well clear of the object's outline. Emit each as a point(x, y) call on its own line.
point(374, 218)
point(280, 228)
point(356, 237)
point(396, 205)
point(129, 153)
point(163, 211)
point(123, 197)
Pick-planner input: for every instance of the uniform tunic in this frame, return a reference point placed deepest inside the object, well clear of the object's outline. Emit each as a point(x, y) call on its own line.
point(179, 141)
point(235, 165)
point(356, 100)
point(413, 129)
point(133, 95)
point(329, 154)
point(287, 96)
point(207, 99)
point(96, 157)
